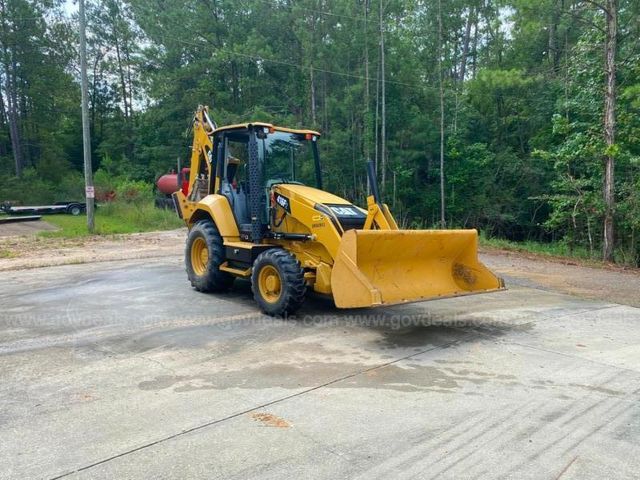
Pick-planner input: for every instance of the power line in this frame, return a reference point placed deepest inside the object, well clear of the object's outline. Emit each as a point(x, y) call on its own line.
point(302, 67)
point(316, 69)
point(357, 18)
point(333, 72)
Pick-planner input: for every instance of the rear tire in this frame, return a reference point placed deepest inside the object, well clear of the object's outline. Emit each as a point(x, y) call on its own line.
point(203, 256)
point(277, 282)
point(74, 209)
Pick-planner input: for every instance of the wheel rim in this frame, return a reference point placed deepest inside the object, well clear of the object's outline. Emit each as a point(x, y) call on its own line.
point(199, 256)
point(269, 283)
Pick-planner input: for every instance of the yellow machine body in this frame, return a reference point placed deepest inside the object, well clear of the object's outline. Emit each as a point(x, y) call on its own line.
point(372, 265)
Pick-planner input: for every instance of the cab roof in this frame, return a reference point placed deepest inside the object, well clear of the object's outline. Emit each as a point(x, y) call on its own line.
point(270, 126)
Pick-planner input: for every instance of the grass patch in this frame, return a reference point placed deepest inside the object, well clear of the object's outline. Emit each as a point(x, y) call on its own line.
point(7, 254)
point(115, 218)
point(555, 249)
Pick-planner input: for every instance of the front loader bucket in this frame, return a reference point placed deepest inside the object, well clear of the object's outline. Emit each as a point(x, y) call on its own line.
point(384, 267)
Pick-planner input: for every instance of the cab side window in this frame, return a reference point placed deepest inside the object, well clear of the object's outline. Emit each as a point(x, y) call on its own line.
point(236, 158)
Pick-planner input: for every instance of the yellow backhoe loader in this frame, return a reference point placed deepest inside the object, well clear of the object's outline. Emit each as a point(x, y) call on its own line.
point(255, 209)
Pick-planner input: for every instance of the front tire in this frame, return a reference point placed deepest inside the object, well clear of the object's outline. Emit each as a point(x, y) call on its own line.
point(277, 282)
point(203, 256)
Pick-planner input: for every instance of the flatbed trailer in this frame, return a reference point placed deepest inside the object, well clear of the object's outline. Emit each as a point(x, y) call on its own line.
point(71, 208)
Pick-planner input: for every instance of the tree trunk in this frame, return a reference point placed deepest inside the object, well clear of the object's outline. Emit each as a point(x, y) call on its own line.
point(325, 113)
point(377, 123)
point(552, 43)
point(465, 45)
point(116, 43)
point(127, 58)
point(11, 94)
point(12, 114)
point(28, 130)
point(3, 124)
point(367, 119)
point(474, 47)
point(123, 84)
point(131, 125)
point(312, 80)
point(440, 52)
point(611, 16)
point(313, 95)
point(235, 84)
point(383, 133)
point(353, 156)
point(94, 89)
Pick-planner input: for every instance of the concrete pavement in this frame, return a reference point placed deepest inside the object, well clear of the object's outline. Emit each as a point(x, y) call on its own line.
point(123, 371)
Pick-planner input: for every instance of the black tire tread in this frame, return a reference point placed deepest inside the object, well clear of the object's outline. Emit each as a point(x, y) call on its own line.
point(294, 287)
point(214, 280)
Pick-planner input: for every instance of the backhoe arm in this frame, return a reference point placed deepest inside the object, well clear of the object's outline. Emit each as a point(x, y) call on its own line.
point(200, 166)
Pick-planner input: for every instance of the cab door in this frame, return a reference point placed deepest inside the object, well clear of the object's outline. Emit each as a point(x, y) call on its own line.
point(233, 158)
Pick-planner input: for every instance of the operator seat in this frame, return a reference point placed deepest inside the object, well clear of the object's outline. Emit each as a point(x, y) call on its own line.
point(237, 197)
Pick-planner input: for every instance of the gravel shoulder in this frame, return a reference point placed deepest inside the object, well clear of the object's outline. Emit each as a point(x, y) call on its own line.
point(25, 228)
point(609, 284)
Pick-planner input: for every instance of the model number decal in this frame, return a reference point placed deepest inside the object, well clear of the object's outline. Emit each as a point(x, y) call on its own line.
point(283, 202)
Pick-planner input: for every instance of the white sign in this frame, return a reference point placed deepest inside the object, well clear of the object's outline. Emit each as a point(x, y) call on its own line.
point(90, 192)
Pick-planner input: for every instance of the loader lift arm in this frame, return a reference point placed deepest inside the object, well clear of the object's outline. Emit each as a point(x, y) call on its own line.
point(378, 214)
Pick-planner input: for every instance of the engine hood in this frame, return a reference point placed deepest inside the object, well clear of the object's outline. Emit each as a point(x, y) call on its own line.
point(311, 194)
point(348, 215)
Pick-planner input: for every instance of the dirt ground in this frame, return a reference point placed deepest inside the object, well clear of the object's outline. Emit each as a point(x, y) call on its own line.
point(609, 284)
point(20, 252)
point(606, 283)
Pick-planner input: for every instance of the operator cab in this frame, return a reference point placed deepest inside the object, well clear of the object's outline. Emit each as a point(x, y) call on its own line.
point(281, 155)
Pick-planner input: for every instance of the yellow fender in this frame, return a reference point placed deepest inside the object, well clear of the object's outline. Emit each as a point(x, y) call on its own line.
point(214, 206)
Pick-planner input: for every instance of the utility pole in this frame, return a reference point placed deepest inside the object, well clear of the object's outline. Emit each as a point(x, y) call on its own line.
point(86, 137)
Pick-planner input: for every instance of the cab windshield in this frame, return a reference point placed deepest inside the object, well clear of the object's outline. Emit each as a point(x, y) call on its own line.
point(290, 158)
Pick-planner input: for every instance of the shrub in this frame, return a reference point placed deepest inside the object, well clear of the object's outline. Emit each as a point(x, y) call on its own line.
point(32, 189)
point(131, 191)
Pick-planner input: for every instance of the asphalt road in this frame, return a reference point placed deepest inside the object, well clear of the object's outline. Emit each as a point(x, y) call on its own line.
point(120, 370)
